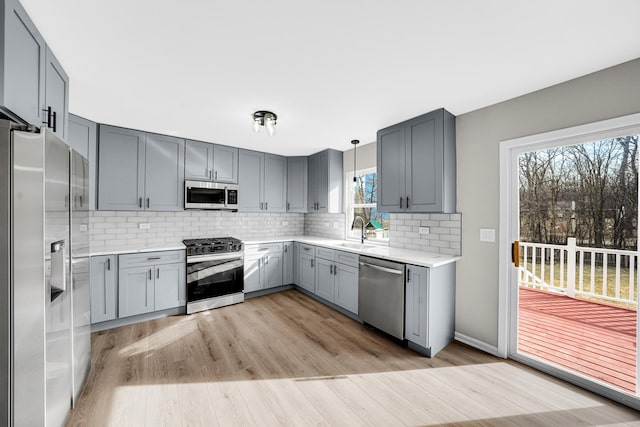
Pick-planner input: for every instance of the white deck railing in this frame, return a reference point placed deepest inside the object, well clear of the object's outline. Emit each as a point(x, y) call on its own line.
point(605, 274)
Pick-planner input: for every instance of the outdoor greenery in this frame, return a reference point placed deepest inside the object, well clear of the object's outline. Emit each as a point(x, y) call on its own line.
point(587, 191)
point(364, 201)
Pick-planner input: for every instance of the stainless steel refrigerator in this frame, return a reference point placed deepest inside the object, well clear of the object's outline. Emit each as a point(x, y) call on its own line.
point(44, 265)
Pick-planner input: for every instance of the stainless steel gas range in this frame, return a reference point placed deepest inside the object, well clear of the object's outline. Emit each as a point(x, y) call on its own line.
point(215, 273)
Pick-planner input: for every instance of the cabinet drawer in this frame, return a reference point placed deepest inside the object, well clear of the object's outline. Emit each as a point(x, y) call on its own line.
point(307, 249)
point(325, 253)
point(347, 258)
point(150, 258)
point(263, 249)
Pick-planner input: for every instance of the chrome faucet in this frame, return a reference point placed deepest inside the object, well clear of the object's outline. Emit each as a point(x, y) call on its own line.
point(362, 235)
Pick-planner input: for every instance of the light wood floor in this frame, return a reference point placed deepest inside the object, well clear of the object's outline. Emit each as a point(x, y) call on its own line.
point(285, 359)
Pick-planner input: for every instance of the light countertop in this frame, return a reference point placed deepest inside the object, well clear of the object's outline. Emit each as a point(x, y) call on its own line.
point(425, 259)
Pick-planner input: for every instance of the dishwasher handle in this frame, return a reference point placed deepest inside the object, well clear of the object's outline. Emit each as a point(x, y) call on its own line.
point(385, 269)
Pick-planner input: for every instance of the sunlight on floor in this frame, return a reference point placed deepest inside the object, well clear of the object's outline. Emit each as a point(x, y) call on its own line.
point(160, 339)
point(416, 397)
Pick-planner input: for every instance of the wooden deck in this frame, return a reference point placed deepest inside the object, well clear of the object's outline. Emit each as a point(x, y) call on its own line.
point(597, 340)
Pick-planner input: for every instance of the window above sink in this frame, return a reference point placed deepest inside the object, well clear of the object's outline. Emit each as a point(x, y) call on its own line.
point(361, 201)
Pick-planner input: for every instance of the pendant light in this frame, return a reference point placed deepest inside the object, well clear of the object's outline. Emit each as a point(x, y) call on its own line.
point(355, 143)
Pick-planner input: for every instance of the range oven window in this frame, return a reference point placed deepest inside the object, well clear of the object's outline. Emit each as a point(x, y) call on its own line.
point(214, 276)
point(213, 196)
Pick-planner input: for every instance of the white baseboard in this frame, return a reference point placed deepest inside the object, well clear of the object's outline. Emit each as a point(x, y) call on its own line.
point(480, 345)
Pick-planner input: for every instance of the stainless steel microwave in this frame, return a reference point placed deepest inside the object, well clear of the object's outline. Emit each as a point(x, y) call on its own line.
point(210, 195)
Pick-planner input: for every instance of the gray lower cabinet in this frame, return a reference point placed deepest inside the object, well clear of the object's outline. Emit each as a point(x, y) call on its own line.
point(205, 161)
point(430, 307)
point(22, 82)
point(139, 171)
point(306, 267)
point(416, 165)
point(150, 282)
point(262, 182)
point(288, 257)
point(337, 278)
point(324, 189)
point(297, 186)
point(263, 266)
point(104, 288)
point(82, 137)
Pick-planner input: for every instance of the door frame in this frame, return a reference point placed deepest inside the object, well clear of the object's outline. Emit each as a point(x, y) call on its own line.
point(507, 303)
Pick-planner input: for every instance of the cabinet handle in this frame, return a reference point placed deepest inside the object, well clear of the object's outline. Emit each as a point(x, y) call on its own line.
point(400, 202)
point(311, 262)
point(285, 248)
point(407, 203)
point(150, 277)
point(152, 258)
point(216, 174)
point(266, 204)
point(55, 122)
point(335, 270)
point(330, 268)
point(108, 264)
point(306, 249)
point(148, 200)
point(261, 206)
point(81, 202)
point(48, 111)
point(288, 207)
point(408, 275)
point(209, 173)
point(140, 202)
point(267, 258)
point(157, 273)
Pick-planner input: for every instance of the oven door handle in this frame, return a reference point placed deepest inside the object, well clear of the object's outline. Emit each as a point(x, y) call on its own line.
point(202, 258)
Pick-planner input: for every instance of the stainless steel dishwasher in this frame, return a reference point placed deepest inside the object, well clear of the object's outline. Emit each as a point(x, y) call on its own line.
point(381, 295)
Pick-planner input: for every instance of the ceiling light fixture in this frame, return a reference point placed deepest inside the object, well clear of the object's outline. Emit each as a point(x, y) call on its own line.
point(265, 119)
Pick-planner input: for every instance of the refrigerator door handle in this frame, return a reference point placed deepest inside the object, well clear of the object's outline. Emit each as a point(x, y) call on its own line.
point(58, 278)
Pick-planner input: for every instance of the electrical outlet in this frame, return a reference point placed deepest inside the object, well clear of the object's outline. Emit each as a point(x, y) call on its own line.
point(144, 226)
point(423, 230)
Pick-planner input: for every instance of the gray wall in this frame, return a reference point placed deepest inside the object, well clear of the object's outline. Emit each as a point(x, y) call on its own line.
point(603, 95)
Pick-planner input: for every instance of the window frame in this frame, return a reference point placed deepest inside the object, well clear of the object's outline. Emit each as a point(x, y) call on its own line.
point(350, 205)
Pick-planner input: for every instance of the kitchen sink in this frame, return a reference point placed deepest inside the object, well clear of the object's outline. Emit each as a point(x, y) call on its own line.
point(354, 245)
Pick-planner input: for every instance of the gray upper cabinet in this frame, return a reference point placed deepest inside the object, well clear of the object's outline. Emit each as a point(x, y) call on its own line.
point(22, 85)
point(82, 137)
point(210, 162)
point(198, 161)
point(225, 164)
point(416, 165)
point(325, 182)
point(275, 183)
point(34, 88)
point(164, 173)
point(262, 182)
point(121, 157)
point(297, 175)
point(139, 171)
point(56, 96)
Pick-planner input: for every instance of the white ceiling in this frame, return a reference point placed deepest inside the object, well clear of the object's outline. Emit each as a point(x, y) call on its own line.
point(332, 70)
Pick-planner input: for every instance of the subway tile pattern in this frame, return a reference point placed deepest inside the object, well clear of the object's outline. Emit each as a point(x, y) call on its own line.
point(120, 230)
point(325, 225)
point(444, 232)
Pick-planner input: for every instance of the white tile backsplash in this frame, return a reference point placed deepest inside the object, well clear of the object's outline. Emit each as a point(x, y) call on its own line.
point(118, 230)
point(325, 225)
point(444, 232)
